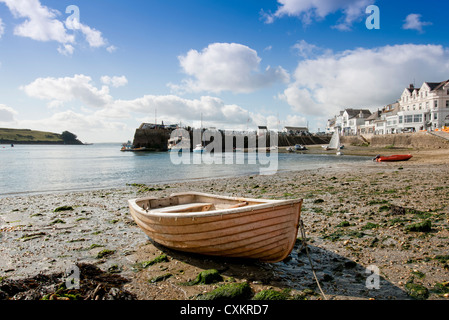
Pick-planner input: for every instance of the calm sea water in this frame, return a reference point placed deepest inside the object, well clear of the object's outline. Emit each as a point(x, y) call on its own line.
point(27, 169)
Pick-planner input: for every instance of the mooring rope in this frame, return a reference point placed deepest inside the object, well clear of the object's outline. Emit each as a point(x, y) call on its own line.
point(304, 245)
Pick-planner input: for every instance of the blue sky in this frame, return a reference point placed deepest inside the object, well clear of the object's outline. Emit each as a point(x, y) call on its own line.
point(238, 63)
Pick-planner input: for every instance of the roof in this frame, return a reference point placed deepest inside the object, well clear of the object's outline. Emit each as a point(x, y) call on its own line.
point(374, 116)
point(353, 113)
point(297, 128)
point(435, 86)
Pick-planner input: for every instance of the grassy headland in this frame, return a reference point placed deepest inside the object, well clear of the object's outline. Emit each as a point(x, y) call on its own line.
point(27, 136)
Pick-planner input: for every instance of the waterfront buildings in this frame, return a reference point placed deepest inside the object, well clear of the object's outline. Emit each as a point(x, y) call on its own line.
point(418, 109)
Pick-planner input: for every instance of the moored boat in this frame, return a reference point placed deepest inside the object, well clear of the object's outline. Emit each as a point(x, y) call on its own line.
point(199, 149)
point(404, 157)
point(206, 224)
point(129, 147)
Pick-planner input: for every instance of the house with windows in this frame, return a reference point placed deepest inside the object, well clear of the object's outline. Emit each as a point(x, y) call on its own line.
point(425, 108)
point(418, 109)
point(348, 122)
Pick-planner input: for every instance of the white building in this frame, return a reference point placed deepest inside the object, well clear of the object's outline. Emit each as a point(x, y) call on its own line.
point(418, 109)
point(425, 108)
point(349, 121)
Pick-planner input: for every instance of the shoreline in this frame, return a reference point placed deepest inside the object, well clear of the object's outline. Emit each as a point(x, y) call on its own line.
point(37, 240)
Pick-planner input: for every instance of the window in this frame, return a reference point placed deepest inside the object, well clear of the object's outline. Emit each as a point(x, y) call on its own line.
point(401, 119)
point(417, 118)
point(408, 119)
point(435, 105)
point(420, 106)
point(427, 105)
point(447, 103)
point(435, 116)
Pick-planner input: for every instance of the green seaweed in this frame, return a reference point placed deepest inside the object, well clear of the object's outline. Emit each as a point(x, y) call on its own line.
point(63, 208)
point(441, 288)
point(425, 226)
point(230, 291)
point(56, 221)
point(160, 278)
point(417, 291)
point(370, 225)
point(205, 277)
point(271, 294)
point(105, 253)
point(343, 224)
point(146, 264)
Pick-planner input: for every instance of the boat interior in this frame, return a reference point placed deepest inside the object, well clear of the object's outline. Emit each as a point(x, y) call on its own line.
point(193, 203)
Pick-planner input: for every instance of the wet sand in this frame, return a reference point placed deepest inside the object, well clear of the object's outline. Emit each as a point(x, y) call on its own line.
point(356, 219)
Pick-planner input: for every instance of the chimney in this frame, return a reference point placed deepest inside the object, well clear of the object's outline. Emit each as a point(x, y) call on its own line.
point(412, 86)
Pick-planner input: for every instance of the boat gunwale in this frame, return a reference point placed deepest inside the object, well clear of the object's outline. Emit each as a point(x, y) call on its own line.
point(266, 204)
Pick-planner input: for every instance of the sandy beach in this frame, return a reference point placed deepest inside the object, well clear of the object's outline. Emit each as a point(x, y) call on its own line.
point(389, 217)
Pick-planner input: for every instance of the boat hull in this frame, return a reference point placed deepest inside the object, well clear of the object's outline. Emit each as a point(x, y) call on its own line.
point(394, 158)
point(265, 231)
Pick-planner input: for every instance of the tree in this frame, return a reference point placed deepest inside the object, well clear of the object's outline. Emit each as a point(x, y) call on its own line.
point(70, 138)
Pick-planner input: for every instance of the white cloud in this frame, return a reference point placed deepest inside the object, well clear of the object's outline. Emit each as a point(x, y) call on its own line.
point(413, 22)
point(2, 28)
point(227, 67)
point(7, 114)
point(66, 49)
point(111, 49)
point(66, 89)
point(308, 50)
point(99, 107)
point(367, 78)
point(93, 36)
point(88, 128)
point(43, 24)
point(295, 121)
point(115, 81)
point(209, 108)
point(309, 10)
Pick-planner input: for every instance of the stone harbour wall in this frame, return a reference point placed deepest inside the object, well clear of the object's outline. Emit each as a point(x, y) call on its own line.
point(419, 140)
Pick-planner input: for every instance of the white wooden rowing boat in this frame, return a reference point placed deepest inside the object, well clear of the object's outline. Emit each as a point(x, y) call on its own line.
point(220, 226)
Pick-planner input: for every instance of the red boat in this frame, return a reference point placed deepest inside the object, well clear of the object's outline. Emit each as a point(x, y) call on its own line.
point(393, 158)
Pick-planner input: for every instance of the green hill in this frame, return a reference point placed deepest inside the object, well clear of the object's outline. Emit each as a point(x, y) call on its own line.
point(27, 136)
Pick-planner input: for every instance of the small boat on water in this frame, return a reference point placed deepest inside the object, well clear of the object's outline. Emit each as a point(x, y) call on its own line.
point(207, 224)
point(404, 157)
point(129, 147)
point(199, 149)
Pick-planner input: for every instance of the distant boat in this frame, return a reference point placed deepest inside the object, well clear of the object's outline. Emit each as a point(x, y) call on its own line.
point(300, 147)
point(334, 144)
point(199, 149)
point(213, 225)
point(393, 158)
point(129, 147)
point(178, 144)
point(12, 145)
